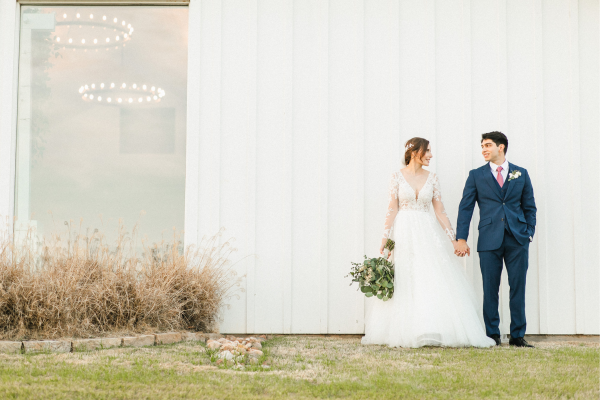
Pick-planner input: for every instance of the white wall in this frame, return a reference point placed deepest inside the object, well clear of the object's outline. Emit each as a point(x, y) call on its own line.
point(297, 115)
point(304, 106)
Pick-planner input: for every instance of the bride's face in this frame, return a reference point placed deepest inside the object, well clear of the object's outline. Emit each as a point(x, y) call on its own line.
point(426, 157)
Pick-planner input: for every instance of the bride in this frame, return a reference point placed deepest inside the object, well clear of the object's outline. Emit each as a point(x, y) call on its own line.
point(433, 304)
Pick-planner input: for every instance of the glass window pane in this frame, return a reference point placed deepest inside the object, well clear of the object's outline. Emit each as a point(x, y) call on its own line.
point(102, 119)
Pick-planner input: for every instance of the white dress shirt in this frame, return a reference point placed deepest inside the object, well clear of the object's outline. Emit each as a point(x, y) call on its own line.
point(504, 172)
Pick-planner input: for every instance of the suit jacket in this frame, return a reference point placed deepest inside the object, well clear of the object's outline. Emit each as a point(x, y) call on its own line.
point(514, 206)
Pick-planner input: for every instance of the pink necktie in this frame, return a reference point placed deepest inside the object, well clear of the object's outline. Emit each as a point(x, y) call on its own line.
point(499, 177)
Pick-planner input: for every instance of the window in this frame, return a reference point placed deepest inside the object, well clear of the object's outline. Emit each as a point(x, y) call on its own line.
point(101, 119)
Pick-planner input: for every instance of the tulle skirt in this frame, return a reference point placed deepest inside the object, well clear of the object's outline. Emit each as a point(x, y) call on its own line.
point(433, 303)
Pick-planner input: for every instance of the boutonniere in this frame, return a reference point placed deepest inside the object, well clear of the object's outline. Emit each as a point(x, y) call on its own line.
point(514, 175)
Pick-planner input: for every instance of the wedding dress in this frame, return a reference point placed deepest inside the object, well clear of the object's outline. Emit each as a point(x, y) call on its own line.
point(433, 303)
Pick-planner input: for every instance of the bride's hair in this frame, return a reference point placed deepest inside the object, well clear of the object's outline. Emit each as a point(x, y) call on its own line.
point(416, 145)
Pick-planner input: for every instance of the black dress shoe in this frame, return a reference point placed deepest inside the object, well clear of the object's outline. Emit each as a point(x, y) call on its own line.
point(518, 342)
point(496, 339)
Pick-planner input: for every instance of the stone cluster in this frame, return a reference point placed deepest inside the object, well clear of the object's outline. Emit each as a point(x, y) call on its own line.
point(236, 349)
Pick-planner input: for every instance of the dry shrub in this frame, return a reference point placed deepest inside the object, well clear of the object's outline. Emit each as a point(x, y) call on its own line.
point(83, 287)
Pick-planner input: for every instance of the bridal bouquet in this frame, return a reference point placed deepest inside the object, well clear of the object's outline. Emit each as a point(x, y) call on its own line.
point(375, 276)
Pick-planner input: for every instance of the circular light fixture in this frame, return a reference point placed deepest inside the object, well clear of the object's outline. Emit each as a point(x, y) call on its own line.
point(104, 93)
point(82, 33)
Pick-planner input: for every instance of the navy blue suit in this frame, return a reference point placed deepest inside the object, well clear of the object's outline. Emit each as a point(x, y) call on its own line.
point(507, 221)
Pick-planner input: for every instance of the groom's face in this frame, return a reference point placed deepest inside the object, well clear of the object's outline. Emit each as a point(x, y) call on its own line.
point(490, 151)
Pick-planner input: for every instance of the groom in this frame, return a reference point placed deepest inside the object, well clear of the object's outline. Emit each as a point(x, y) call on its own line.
point(506, 226)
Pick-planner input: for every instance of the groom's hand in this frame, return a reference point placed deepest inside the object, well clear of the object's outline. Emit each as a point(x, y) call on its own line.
point(462, 248)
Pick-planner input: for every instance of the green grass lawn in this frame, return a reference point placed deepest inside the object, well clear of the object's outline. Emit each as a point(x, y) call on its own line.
point(308, 367)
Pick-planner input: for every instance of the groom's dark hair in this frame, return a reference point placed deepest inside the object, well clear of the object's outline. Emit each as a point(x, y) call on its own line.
point(498, 138)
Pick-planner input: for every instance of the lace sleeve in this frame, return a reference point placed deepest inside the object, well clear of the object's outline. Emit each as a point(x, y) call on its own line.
point(440, 211)
point(392, 208)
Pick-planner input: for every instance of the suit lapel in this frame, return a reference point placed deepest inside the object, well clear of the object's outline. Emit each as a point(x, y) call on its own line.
point(489, 178)
point(510, 168)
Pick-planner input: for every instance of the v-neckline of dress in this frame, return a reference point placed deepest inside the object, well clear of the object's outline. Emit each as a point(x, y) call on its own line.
point(415, 192)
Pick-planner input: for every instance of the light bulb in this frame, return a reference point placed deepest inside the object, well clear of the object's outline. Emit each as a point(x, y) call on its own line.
point(107, 40)
point(125, 36)
point(112, 85)
point(91, 97)
point(70, 40)
point(140, 99)
point(115, 20)
point(134, 86)
point(123, 23)
point(86, 86)
point(82, 40)
point(95, 41)
point(77, 15)
point(102, 86)
point(104, 18)
point(85, 95)
point(130, 100)
point(93, 86)
point(144, 87)
point(153, 88)
point(99, 98)
point(91, 16)
point(154, 97)
point(123, 85)
point(120, 100)
point(117, 38)
point(108, 100)
point(64, 15)
point(148, 98)
point(58, 39)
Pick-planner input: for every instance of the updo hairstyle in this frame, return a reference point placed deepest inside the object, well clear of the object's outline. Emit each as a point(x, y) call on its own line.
point(417, 146)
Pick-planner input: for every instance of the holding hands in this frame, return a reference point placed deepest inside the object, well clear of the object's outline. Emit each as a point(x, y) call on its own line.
point(461, 248)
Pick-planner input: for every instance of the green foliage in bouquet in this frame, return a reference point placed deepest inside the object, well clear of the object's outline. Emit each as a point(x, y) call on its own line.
point(375, 276)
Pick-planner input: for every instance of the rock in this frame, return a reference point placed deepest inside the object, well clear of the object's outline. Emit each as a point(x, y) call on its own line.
point(167, 338)
point(255, 353)
point(54, 346)
point(193, 337)
point(10, 347)
point(257, 346)
point(214, 336)
point(87, 344)
point(226, 355)
point(227, 347)
point(253, 360)
point(138, 341)
point(213, 345)
point(111, 342)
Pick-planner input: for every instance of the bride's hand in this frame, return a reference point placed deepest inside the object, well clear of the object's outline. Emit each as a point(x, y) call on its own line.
point(457, 250)
point(382, 247)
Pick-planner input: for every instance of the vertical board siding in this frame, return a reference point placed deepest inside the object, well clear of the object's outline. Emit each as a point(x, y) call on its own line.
point(589, 125)
point(238, 157)
point(274, 182)
point(316, 101)
point(558, 146)
point(309, 175)
point(345, 161)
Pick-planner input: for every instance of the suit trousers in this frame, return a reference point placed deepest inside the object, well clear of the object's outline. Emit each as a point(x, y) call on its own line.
point(516, 258)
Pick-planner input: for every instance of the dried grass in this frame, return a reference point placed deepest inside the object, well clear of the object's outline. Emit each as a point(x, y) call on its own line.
point(81, 286)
